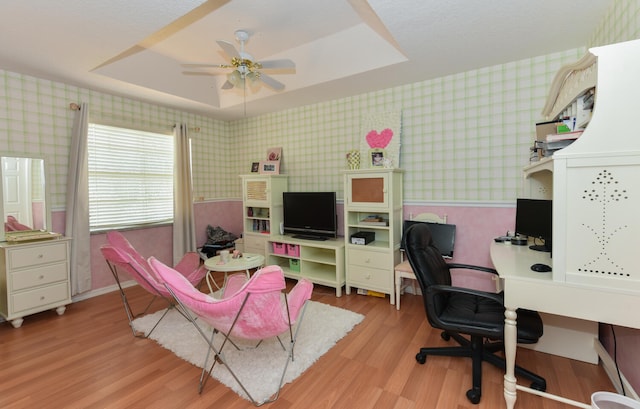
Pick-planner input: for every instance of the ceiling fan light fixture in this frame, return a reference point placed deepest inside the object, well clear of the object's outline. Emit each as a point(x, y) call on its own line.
point(239, 79)
point(253, 77)
point(236, 78)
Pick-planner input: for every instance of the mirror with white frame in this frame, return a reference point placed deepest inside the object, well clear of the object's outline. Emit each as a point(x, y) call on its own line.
point(24, 205)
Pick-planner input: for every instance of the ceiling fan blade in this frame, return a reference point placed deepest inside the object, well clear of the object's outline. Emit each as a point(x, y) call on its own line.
point(229, 49)
point(227, 85)
point(200, 73)
point(276, 85)
point(206, 66)
point(271, 64)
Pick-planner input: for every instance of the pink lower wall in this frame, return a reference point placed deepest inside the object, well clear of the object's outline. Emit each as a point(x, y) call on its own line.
point(476, 228)
point(158, 241)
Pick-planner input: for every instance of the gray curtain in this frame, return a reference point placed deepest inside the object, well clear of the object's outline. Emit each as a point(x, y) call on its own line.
point(184, 231)
point(77, 210)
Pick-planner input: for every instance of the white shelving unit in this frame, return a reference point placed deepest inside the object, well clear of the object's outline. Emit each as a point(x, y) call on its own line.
point(373, 192)
point(321, 262)
point(261, 209)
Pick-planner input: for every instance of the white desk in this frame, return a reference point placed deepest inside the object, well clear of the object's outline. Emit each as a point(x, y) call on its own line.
point(244, 263)
point(524, 288)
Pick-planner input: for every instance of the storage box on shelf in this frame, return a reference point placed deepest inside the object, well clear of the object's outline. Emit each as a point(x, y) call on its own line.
point(321, 262)
point(261, 209)
point(373, 217)
point(293, 250)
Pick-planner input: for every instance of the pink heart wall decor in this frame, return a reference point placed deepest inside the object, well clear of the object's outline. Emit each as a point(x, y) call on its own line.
point(379, 140)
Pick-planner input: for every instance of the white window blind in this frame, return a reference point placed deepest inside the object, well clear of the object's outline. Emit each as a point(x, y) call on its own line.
point(130, 177)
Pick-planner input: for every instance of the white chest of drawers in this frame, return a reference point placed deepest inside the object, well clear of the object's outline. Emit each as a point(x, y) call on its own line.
point(34, 277)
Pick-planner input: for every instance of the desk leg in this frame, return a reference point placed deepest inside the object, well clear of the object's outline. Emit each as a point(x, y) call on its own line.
point(510, 343)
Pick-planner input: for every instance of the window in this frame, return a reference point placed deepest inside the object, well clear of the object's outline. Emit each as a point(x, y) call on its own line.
point(130, 177)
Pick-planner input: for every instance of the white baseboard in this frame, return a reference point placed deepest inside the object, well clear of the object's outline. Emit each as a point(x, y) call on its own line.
point(101, 291)
point(95, 293)
point(609, 366)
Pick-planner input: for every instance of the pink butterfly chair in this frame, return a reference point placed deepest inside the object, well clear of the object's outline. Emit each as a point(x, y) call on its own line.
point(119, 253)
point(250, 308)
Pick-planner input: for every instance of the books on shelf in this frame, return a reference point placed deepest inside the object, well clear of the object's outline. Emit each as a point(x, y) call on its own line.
point(554, 145)
point(564, 136)
point(374, 221)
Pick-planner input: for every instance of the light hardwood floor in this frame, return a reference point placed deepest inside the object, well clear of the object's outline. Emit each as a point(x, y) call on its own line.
point(88, 358)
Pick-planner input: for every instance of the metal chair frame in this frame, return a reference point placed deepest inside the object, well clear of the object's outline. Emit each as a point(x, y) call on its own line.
point(239, 317)
point(219, 357)
point(127, 307)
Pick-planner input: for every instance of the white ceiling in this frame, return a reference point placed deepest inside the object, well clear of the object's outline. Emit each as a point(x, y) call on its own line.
point(340, 47)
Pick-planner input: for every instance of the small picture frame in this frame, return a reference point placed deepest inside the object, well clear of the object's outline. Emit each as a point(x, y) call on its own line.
point(255, 167)
point(270, 167)
point(377, 157)
point(274, 154)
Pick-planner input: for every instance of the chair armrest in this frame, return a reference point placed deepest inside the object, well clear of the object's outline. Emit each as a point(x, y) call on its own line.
point(434, 290)
point(472, 267)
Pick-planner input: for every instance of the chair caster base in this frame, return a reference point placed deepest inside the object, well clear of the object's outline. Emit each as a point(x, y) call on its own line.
point(421, 358)
point(474, 395)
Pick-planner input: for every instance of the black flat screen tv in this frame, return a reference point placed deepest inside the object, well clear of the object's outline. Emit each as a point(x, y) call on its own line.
point(310, 215)
point(534, 218)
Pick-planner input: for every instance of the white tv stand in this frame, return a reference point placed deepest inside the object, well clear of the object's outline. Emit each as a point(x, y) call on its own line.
point(321, 262)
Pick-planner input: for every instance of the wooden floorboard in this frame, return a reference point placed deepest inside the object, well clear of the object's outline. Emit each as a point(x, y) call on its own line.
point(88, 358)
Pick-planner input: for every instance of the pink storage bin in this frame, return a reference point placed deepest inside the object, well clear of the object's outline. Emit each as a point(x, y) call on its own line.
point(279, 248)
point(293, 250)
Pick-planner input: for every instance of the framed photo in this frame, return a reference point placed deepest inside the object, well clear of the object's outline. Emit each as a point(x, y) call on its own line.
point(377, 157)
point(255, 167)
point(274, 154)
point(380, 132)
point(270, 167)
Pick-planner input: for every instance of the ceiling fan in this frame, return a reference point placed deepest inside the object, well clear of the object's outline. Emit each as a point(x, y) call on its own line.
point(245, 69)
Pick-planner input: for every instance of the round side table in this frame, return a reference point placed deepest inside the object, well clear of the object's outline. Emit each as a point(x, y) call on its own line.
point(244, 263)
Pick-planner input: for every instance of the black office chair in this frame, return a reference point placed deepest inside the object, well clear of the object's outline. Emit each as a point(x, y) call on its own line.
point(456, 311)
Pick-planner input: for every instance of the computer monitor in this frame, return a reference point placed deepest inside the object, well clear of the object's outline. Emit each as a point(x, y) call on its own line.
point(443, 235)
point(534, 218)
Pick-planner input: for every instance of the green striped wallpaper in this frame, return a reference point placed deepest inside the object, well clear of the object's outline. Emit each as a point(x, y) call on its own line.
point(465, 137)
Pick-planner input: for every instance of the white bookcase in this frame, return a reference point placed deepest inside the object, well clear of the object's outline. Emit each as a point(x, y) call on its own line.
point(261, 209)
point(373, 192)
point(321, 262)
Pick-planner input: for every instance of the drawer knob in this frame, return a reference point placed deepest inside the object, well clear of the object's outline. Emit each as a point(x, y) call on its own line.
point(41, 277)
point(42, 298)
point(40, 255)
point(368, 277)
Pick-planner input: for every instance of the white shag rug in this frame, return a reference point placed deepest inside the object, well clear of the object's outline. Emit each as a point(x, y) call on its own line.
point(258, 368)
